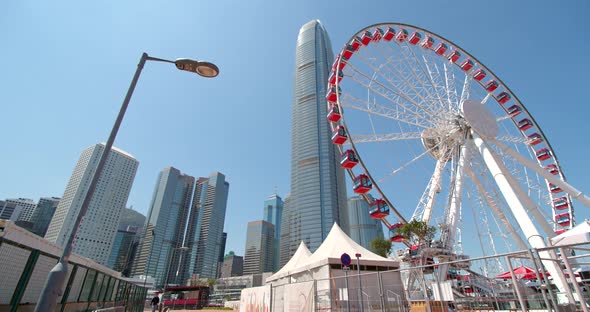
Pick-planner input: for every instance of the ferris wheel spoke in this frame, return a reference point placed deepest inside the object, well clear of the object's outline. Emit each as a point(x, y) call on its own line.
point(486, 98)
point(387, 137)
point(452, 96)
point(465, 91)
point(511, 139)
point(435, 78)
point(387, 91)
point(424, 209)
point(382, 111)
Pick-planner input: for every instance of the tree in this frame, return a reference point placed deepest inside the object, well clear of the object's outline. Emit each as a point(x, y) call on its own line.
point(417, 232)
point(381, 246)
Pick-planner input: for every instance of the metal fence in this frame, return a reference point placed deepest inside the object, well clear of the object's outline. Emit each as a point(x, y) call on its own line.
point(469, 285)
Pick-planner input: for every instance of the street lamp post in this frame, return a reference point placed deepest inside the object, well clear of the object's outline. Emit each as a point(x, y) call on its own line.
point(55, 280)
point(358, 271)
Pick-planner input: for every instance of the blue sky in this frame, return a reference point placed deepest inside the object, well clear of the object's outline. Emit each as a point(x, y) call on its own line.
point(66, 65)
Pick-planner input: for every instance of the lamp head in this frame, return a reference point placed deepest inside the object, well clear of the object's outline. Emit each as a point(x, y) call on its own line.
point(205, 69)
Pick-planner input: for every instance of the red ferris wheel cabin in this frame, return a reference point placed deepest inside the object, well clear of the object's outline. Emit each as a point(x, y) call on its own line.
point(348, 159)
point(362, 184)
point(379, 209)
point(334, 113)
point(339, 135)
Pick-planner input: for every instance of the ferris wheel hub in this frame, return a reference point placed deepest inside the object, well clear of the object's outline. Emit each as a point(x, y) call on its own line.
point(479, 118)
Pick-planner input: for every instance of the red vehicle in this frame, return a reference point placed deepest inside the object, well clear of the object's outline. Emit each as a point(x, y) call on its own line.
point(347, 52)
point(362, 184)
point(552, 169)
point(513, 110)
point(378, 209)
point(415, 38)
point(331, 94)
point(491, 85)
point(367, 37)
point(466, 65)
point(402, 35)
point(560, 203)
point(356, 43)
point(503, 97)
point(554, 188)
point(454, 56)
point(348, 159)
point(543, 154)
point(394, 233)
point(563, 219)
point(334, 113)
point(479, 74)
point(427, 42)
point(534, 139)
point(377, 34)
point(339, 135)
point(335, 76)
point(525, 124)
point(341, 65)
point(389, 34)
point(440, 48)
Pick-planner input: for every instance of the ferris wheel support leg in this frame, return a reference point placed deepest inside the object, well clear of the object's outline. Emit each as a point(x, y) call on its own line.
point(525, 223)
point(448, 238)
point(434, 189)
point(495, 209)
point(566, 187)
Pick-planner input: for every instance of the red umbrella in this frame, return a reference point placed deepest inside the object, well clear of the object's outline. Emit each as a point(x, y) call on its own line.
point(522, 272)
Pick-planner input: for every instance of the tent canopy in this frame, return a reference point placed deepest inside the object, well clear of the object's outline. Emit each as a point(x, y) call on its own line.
point(300, 256)
point(522, 272)
point(579, 234)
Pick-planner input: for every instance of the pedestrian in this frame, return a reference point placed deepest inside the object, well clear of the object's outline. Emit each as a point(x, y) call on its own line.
point(155, 302)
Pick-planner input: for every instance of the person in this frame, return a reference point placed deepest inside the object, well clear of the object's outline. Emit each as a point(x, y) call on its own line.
point(155, 302)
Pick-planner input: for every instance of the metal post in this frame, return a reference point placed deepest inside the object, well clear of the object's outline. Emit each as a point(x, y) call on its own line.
point(515, 285)
point(541, 281)
point(381, 292)
point(573, 279)
point(55, 280)
point(347, 290)
point(358, 271)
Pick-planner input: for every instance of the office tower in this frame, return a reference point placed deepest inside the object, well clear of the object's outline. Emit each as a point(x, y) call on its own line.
point(221, 254)
point(273, 213)
point(318, 189)
point(204, 233)
point(232, 266)
point(9, 210)
point(259, 252)
point(161, 247)
point(122, 250)
point(43, 213)
point(363, 229)
point(27, 208)
point(95, 235)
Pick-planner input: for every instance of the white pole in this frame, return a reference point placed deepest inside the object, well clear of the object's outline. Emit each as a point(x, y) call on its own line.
point(499, 172)
point(434, 189)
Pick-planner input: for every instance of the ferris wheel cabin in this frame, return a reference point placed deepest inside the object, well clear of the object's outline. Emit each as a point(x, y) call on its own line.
point(377, 34)
point(335, 76)
point(355, 43)
point(466, 65)
point(525, 124)
point(534, 139)
point(339, 135)
point(348, 159)
point(334, 113)
point(479, 74)
point(389, 34)
point(561, 203)
point(427, 42)
point(402, 35)
point(379, 209)
point(440, 48)
point(554, 188)
point(333, 93)
point(366, 38)
point(394, 233)
point(362, 184)
point(563, 219)
point(503, 98)
point(513, 110)
point(543, 154)
point(491, 85)
point(339, 65)
point(454, 56)
point(552, 169)
point(415, 38)
point(347, 52)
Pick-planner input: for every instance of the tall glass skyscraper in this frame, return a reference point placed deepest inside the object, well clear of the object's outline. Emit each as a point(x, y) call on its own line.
point(43, 213)
point(95, 236)
point(363, 229)
point(259, 252)
point(318, 189)
point(273, 213)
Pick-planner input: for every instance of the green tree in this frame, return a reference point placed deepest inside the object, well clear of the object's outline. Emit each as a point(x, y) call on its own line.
point(381, 246)
point(417, 232)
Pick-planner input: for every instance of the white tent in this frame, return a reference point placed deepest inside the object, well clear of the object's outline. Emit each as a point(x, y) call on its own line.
point(579, 234)
point(300, 256)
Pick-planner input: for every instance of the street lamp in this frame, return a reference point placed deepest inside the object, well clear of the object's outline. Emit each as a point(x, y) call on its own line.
point(57, 275)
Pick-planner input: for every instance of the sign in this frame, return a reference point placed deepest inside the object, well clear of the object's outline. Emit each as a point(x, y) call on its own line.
point(345, 259)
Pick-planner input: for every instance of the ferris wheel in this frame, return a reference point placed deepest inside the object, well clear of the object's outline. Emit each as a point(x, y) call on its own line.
point(428, 132)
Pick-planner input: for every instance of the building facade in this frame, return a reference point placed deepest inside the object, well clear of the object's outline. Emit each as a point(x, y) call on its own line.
point(95, 235)
point(160, 250)
point(318, 187)
point(232, 266)
point(43, 214)
point(259, 251)
point(17, 209)
point(273, 213)
point(363, 229)
point(204, 235)
point(122, 250)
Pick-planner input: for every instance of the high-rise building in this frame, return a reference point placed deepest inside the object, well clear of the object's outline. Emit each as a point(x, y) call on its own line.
point(232, 266)
point(221, 254)
point(9, 210)
point(95, 235)
point(363, 229)
point(204, 235)
point(122, 250)
point(161, 247)
point(318, 189)
point(17, 209)
point(259, 252)
point(43, 213)
point(273, 213)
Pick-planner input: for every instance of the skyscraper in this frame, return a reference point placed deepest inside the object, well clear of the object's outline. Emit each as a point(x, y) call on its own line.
point(96, 233)
point(122, 250)
point(318, 189)
point(43, 213)
point(363, 229)
point(259, 252)
point(273, 213)
point(232, 266)
point(28, 207)
point(204, 233)
point(160, 250)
